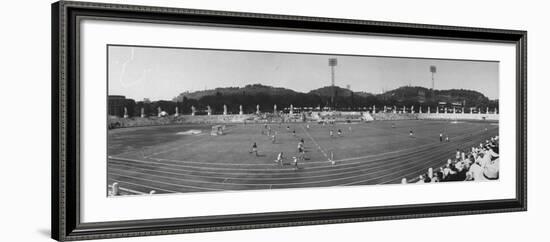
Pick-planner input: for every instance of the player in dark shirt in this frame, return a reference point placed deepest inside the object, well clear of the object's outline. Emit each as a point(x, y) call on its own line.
point(254, 149)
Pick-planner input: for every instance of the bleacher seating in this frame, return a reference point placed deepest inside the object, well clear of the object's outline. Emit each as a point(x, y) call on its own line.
point(478, 164)
point(394, 116)
point(117, 122)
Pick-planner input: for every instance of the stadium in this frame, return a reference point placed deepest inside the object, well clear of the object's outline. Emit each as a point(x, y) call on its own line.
point(259, 136)
point(296, 149)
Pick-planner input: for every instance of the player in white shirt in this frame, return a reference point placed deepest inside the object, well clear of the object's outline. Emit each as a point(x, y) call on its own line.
point(280, 159)
point(295, 161)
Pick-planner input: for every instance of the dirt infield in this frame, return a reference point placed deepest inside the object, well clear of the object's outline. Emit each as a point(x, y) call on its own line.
point(162, 159)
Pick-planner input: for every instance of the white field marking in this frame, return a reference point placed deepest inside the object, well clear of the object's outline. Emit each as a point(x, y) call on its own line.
point(167, 183)
point(416, 148)
point(355, 169)
point(454, 140)
point(414, 167)
point(210, 163)
point(310, 162)
point(140, 185)
point(217, 170)
point(315, 142)
point(435, 144)
point(259, 125)
point(293, 183)
point(198, 167)
point(239, 178)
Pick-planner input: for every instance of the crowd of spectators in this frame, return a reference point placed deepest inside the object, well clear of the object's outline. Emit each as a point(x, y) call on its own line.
point(394, 116)
point(117, 122)
point(458, 116)
point(480, 163)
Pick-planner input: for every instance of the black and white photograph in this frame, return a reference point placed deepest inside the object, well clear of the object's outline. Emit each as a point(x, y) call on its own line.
point(184, 120)
point(187, 120)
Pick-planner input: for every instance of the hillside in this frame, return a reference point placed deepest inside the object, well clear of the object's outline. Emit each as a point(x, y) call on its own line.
point(341, 92)
point(422, 94)
point(253, 89)
point(266, 96)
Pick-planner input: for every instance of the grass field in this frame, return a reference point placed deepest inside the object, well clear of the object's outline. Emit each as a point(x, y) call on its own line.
point(166, 160)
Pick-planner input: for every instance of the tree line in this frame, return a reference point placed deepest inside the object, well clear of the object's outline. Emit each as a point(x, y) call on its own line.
point(406, 96)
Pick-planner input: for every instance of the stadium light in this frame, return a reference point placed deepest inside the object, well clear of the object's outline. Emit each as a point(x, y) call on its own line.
point(433, 70)
point(332, 62)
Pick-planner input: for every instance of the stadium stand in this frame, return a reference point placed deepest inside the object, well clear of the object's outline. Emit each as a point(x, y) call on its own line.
point(367, 117)
point(117, 122)
point(434, 116)
point(340, 116)
point(331, 116)
point(481, 163)
point(458, 116)
point(394, 116)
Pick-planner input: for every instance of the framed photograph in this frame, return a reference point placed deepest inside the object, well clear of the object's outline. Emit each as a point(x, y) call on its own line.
point(168, 120)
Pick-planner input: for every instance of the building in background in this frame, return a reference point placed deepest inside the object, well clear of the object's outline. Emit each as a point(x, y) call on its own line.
point(115, 105)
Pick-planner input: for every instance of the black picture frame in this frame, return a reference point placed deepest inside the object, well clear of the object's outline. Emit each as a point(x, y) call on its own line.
point(65, 221)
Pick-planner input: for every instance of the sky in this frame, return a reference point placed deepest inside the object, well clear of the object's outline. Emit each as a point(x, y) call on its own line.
point(163, 73)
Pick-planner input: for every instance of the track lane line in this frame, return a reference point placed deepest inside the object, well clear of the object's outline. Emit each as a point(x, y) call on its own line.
point(317, 169)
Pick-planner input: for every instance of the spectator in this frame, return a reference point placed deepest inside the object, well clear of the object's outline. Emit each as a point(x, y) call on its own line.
point(420, 179)
point(480, 163)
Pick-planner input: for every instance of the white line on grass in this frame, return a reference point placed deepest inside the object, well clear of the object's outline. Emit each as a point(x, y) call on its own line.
point(354, 170)
point(315, 142)
point(300, 183)
point(416, 148)
point(216, 170)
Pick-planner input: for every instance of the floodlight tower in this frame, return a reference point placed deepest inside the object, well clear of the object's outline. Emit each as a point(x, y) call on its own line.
point(332, 62)
point(433, 70)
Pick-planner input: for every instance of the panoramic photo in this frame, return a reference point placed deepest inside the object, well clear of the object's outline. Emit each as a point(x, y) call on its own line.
point(183, 120)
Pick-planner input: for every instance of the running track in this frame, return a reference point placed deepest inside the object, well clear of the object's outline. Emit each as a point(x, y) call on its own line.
point(171, 176)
